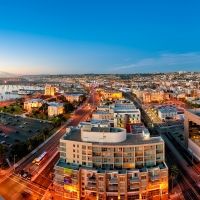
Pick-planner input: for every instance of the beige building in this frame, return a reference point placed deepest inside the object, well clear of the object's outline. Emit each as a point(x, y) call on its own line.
point(154, 96)
point(102, 115)
point(103, 163)
point(55, 109)
point(72, 97)
point(49, 90)
point(112, 94)
point(32, 103)
point(192, 131)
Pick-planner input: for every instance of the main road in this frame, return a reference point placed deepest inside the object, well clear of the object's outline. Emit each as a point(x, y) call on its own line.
point(15, 187)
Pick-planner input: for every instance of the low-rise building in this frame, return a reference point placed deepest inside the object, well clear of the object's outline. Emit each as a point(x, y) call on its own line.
point(102, 115)
point(167, 112)
point(125, 114)
point(55, 109)
point(49, 90)
point(32, 104)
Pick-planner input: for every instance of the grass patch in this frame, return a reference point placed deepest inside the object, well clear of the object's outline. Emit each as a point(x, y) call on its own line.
point(12, 109)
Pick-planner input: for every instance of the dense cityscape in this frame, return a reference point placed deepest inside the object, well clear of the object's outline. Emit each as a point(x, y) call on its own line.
point(99, 100)
point(97, 136)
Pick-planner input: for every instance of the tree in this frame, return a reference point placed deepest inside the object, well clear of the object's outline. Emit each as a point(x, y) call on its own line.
point(45, 132)
point(173, 174)
point(30, 147)
point(3, 150)
point(44, 107)
point(68, 107)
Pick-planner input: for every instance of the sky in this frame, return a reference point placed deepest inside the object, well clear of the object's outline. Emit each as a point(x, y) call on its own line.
point(115, 36)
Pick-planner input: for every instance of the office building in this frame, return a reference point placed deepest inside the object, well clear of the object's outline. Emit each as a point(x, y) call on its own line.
point(192, 130)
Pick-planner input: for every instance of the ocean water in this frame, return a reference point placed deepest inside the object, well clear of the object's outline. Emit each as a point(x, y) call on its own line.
point(10, 88)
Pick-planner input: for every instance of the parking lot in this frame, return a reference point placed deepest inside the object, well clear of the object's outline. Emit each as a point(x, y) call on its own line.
point(17, 129)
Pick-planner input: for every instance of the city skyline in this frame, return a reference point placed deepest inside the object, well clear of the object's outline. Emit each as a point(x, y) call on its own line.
point(98, 37)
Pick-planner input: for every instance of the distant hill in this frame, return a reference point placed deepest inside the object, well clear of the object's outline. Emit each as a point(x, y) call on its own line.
point(6, 74)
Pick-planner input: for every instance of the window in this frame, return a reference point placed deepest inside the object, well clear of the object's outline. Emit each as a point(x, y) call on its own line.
point(77, 156)
point(74, 155)
point(73, 145)
point(143, 177)
point(77, 145)
point(73, 161)
point(73, 150)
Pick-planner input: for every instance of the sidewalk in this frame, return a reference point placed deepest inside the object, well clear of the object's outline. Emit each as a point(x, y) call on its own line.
point(50, 194)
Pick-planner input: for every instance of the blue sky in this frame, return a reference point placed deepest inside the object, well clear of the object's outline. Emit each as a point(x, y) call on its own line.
point(65, 37)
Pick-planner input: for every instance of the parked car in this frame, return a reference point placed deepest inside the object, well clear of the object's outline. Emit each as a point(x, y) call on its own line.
point(6, 136)
point(16, 131)
point(25, 174)
point(21, 172)
point(29, 176)
point(3, 142)
point(16, 140)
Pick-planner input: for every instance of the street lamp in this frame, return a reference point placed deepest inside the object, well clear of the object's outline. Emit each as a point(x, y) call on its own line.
point(14, 163)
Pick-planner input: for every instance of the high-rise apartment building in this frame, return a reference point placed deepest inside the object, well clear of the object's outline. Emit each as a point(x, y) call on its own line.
point(100, 163)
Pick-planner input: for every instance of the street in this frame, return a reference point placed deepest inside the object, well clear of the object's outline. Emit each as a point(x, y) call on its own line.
point(14, 187)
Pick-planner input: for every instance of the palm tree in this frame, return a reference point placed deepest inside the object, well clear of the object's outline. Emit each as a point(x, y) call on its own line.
point(45, 132)
point(30, 147)
point(173, 174)
point(3, 150)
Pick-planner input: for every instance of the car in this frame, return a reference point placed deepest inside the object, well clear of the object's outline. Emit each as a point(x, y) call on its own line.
point(40, 121)
point(29, 176)
point(21, 126)
point(3, 142)
point(0, 131)
point(16, 131)
point(25, 122)
point(17, 120)
point(21, 172)
point(6, 136)
point(37, 130)
point(25, 174)
point(29, 131)
point(3, 135)
point(5, 123)
point(16, 140)
point(10, 145)
point(13, 124)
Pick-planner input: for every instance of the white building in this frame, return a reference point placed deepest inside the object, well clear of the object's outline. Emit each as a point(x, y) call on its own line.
point(126, 113)
point(55, 109)
point(167, 112)
point(32, 103)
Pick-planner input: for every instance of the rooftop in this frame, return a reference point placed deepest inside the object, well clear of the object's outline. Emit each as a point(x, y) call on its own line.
point(131, 139)
point(195, 111)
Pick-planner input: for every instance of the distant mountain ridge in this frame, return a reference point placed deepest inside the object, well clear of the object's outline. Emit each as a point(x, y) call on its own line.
point(4, 74)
